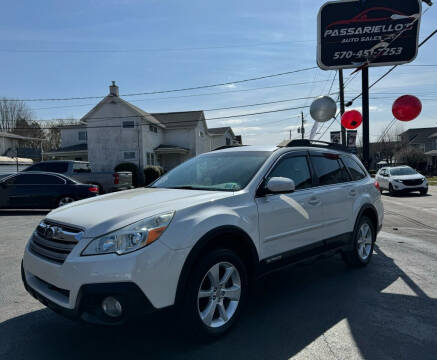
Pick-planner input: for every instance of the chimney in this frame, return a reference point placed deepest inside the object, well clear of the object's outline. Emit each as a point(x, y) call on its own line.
point(113, 89)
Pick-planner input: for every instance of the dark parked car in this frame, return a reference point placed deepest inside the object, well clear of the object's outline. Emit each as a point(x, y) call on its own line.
point(38, 190)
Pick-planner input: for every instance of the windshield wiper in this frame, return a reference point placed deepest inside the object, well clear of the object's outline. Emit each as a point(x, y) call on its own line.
point(186, 187)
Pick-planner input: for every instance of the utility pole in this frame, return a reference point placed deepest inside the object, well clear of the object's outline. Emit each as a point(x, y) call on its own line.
point(290, 134)
point(365, 104)
point(302, 129)
point(341, 86)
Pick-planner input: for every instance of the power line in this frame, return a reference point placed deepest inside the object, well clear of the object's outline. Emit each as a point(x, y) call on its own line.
point(171, 122)
point(191, 95)
point(175, 90)
point(394, 67)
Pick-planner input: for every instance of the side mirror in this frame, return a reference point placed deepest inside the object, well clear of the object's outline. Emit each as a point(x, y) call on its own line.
point(278, 185)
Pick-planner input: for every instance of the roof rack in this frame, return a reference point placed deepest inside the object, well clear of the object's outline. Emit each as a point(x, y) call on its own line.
point(317, 143)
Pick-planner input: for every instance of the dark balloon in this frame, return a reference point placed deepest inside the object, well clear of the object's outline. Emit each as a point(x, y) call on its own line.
point(407, 108)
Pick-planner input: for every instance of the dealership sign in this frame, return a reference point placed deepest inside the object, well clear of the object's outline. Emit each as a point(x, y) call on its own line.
point(377, 32)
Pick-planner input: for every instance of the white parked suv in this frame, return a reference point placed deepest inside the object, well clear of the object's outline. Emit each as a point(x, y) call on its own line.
point(401, 179)
point(200, 234)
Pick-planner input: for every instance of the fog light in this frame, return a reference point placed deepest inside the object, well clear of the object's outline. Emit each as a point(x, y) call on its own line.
point(112, 307)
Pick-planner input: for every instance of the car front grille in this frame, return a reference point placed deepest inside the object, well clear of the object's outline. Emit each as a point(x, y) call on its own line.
point(412, 182)
point(53, 241)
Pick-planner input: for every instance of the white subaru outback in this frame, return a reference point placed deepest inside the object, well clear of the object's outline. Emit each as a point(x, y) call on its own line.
point(199, 235)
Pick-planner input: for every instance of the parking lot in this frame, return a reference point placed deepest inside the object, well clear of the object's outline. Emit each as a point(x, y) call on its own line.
point(319, 311)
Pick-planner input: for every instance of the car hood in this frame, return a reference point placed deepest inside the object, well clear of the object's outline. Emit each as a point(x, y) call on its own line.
point(103, 214)
point(407, 177)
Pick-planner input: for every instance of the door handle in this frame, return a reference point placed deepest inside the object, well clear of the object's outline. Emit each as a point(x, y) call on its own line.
point(314, 201)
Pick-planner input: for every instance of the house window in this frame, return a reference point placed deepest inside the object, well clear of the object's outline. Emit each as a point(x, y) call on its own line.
point(129, 155)
point(128, 124)
point(153, 129)
point(82, 135)
point(201, 134)
point(151, 159)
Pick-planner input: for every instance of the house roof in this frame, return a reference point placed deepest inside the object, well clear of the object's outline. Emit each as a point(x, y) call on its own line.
point(174, 120)
point(111, 98)
point(72, 148)
point(18, 137)
point(220, 130)
point(171, 149)
point(419, 135)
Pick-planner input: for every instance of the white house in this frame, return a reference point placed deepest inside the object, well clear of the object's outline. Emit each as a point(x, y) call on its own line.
point(116, 131)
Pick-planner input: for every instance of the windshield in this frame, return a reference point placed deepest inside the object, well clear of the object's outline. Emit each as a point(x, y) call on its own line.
point(403, 171)
point(224, 171)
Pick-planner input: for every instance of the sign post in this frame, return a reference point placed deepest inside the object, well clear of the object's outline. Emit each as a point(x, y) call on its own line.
point(358, 34)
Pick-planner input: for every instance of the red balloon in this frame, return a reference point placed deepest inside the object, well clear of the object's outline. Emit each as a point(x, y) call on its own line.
point(407, 108)
point(351, 119)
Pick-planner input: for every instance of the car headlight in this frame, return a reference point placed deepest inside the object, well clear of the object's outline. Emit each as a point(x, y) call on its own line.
point(399, 181)
point(130, 238)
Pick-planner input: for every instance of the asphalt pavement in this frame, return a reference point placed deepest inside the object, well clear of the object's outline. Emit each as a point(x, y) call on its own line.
point(324, 310)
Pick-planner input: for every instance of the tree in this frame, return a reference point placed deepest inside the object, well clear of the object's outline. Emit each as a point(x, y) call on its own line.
point(52, 132)
point(388, 145)
point(30, 129)
point(10, 112)
point(413, 157)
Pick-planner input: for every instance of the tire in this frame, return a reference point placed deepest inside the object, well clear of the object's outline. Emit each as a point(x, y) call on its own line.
point(64, 200)
point(206, 310)
point(364, 237)
point(424, 192)
point(391, 190)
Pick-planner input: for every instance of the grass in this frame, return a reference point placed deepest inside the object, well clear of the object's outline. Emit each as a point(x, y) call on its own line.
point(432, 180)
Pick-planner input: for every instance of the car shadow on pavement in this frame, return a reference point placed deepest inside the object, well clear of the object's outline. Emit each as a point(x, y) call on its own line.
point(287, 312)
point(407, 195)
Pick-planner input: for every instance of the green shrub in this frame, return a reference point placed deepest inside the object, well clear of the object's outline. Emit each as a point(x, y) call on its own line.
point(136, 181)
point(151, 173)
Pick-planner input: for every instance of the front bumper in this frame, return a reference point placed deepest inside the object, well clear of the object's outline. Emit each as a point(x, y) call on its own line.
point(88, 302)
point(146, 279)
point(397, 186)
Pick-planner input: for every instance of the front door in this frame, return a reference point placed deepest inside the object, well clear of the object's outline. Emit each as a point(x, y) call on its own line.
point(290, 221)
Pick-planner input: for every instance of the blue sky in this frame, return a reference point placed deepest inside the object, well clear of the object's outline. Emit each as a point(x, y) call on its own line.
point(68, 49)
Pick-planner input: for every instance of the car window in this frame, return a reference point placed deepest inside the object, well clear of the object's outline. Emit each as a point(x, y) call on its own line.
point(294, 168)
point(403, 171)
point(354, 168)
point(81, 167)
point(329, 170)
point(37, 179)
point(57, 167)
point(224, 171)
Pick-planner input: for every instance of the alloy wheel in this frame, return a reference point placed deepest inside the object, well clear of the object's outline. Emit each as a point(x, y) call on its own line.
point(219, 294)
point(65, 200)
point(364, 241)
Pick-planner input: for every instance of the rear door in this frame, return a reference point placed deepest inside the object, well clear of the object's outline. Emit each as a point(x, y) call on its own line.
point(337, 193)
point(288, 222)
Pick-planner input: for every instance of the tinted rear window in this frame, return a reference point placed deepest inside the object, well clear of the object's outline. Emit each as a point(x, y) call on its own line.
point(329, 171)
point(37, 179)
point(57, 167)
point(81, 167)
point(354, 168)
